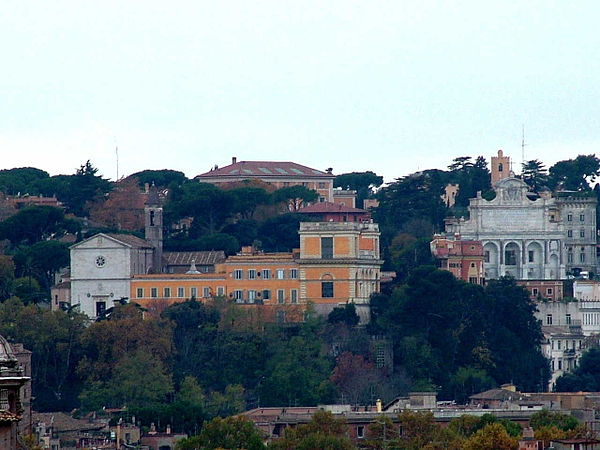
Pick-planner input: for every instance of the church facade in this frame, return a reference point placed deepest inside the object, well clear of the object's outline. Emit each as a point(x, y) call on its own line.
point(522, 236)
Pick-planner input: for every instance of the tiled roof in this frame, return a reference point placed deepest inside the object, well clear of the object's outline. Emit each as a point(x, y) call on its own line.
point(265, 169)
point(63, 422)
point(200, 258)
point(329, 207)
point(497, 394)
point(130, 239)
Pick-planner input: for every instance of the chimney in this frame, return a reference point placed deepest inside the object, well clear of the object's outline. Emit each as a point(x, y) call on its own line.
point(379, 405)
point(233, 159)
point(168, 429)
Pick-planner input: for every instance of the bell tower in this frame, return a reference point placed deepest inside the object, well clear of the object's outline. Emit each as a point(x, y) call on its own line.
point(153, 213)
point(500, 167)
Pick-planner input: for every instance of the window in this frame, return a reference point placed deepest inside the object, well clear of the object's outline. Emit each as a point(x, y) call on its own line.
point(153, 292)
point(322, 185)
point(360, 431)
point(252, 274)
point(582, 233)
point(327, 289)
point(549, 291)
point(294, 295)
point(251, 296)
point(558, 344)
point(180, 292)
point(570, 233)
point(510, 258)
point(568, 321)
point(220, 291)
point(266, 274)
point(294, 274)
point(238, 274)
point(140, 292)
point(266, 294)
point(4, 403)
point(535, 291)
point(531, 255)
point(552, 365)
point(486, 256)
point(280, 316)
point(582, 257)
point(206, 292)
point(238, 295)
point(473, 280)
point(100, 308)
point(500, 167)
point(570, 256)
point(327, 248)
point(194, 292)
point(560, 364)
point(569, 217)
point(582, 217)
point(548, 319)
point(167, 292)
point(280, 296)
point(472, 265)
point(279, 273)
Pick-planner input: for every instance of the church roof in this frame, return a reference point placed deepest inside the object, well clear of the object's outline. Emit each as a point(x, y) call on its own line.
point(200, 258)
point(265, 169)
point(131, 240)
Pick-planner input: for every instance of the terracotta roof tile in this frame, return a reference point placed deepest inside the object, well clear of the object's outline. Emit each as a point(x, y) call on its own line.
point(265, 169)
point(329, 207)
point(201, 258)
point(130, 239)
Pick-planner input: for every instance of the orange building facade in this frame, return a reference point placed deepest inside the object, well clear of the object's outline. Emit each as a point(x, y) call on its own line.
point(463, 258)
point(337, 263)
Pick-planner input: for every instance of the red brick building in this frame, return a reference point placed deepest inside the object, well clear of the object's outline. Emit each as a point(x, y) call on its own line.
point(463, 258)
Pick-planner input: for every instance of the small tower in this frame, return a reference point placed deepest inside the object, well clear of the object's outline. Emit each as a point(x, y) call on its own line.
point(154, 227)
point(500, 167)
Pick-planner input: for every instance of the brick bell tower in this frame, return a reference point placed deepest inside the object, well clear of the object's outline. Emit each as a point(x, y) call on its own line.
point(153, 213)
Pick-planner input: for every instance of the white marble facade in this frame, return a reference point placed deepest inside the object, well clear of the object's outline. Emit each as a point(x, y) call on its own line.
point(521, 237)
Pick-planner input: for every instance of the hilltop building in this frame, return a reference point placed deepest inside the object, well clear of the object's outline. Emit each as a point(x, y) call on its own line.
point(521, 237)
point(464, 259)
point(281, 174)
point(337, 263)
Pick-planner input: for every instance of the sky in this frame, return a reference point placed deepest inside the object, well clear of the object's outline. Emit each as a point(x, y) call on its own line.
point(388, 86)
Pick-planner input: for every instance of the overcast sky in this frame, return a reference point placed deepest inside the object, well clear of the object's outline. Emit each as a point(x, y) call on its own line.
point(392, 87)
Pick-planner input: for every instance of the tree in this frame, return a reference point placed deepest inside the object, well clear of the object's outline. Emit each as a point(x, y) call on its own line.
point(297, 373)
point(364, 183)
point(574, 174)
point(160, 178)
point(357, 379)
point(85, 187)
point(280, 233)
point(210, 206)
point(231, 433)
point(123, 209)
point(323, 432)
point(7, 275)
point(468, 381)
point(294, 197)
point(491, 437)
point(546, 418)
point(43, 259)
point(21, 180)
point(36, 223)
point(346, 314)
point(249, 198)
point(535, 174)
point(586, 377)
point(139, 379)
point(418, 429)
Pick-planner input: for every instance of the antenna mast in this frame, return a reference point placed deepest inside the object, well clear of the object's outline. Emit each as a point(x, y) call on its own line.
point(523, 146)
point(117, 154)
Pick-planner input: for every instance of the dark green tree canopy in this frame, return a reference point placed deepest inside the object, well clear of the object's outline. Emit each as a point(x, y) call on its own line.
point(364, 183)
point(160, 178)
